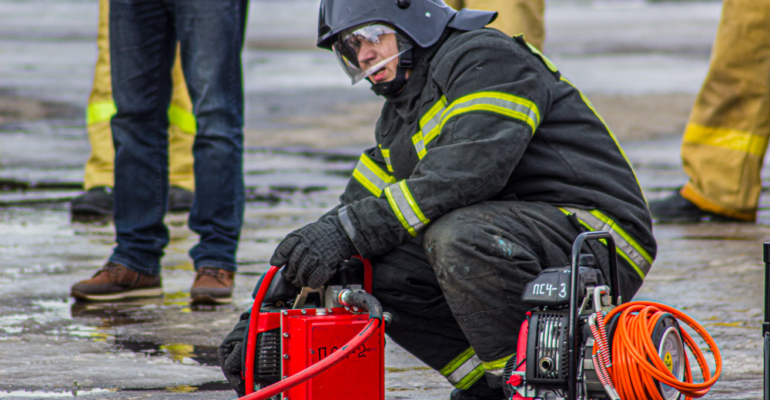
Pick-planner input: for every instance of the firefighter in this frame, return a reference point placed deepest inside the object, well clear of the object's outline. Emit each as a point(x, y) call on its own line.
point(515, 17)
point(488, 164)
point(100, 167)
point(725, 140)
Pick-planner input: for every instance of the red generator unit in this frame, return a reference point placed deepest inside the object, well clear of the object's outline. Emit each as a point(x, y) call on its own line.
point(308, 352)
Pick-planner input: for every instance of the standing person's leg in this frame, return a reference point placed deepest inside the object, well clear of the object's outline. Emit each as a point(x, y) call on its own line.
point(211, 37)
point(141, 52)
point(181, 135)
point(514, 17)
point(99, 169)
point(142, 42)
point(423, 324)
point(724, 144)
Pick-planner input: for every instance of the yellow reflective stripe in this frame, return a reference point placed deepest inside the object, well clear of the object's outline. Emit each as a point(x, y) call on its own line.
point(429, 123)
point(430, 116)
point(397, 210)
point(497, 102)
point(617, 228)
point(612, 135)
point(628, 248)
point(182, 118)
point(100, 111)
point(419, 145)
point(412, 203)
point(406, 208)
point(496, 365)
point(472, 377)
point(730, 139)
point(457, 361)
point(371, 176)
point(545, 59)
point(464, 370)
point(104, 110)
point(386, 156)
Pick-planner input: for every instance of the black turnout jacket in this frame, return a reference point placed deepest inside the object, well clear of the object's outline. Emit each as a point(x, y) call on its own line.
point(487, 117)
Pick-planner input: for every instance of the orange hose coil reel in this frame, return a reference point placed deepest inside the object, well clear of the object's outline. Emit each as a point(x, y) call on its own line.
point(636, 363)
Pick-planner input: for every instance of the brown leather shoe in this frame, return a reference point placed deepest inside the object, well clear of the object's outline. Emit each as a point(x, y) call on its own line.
point(117, 282)
point(212, 286)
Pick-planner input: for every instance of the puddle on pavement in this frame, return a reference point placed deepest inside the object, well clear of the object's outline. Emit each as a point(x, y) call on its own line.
point(94, 321)
point(14, 109)
point(39, 394)
point(272, 176)
point(204, 387)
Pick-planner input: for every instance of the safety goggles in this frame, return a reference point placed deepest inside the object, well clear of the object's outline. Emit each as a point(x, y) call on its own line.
point(368, 37)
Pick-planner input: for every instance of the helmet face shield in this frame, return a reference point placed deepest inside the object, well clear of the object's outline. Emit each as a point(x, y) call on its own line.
point(366, 49)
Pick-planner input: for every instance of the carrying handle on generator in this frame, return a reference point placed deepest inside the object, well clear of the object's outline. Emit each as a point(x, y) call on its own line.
point(577, 246)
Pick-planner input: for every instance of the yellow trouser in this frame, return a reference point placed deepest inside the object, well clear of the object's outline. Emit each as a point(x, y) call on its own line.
point(100, 168)
point(726, 137)
point(514, 16)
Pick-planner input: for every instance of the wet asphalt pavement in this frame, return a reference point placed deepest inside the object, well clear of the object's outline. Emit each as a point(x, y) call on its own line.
point(305, 129)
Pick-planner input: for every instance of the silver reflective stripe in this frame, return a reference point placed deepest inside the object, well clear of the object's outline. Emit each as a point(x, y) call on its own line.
point(464, 370)
point(390, 166)
point(419, 145)
point(431, 125)
point(639, 261)
point(499, 102)
point(371, 176)
point(347, 225)
point(405, 209)
point(386, 156)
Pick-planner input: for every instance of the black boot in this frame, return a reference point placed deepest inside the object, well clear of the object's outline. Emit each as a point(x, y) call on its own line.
point(481, 390)
point(459, 394)
point(180, 199)
point(96, 202)
point(676, 208)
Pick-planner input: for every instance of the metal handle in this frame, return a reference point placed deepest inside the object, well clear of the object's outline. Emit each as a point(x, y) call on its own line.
point(577, 246)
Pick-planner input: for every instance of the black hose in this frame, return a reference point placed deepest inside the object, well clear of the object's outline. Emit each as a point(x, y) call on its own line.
point(363, 301)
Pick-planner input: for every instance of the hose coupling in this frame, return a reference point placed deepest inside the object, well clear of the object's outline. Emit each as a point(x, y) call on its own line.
point(344, 297)
point(387, 317)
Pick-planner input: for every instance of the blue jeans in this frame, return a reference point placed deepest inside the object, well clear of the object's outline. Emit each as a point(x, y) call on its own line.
point(143, 37)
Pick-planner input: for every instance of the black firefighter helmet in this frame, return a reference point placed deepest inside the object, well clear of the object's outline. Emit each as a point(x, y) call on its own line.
point(419, 24)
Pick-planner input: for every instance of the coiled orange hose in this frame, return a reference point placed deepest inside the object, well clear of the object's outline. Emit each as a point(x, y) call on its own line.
point(635, 360)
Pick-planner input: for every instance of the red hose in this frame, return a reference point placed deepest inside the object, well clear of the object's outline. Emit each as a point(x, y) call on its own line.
point(318, 367)
point(253, 323)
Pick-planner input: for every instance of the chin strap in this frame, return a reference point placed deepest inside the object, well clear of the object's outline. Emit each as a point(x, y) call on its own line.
point(392, 88)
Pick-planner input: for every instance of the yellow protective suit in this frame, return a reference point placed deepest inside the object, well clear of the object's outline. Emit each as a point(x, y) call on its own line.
point(100, 166)
point(514, 16)
point(724, 144)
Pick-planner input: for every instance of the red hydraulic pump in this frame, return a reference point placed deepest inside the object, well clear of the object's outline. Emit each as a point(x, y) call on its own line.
point(295, 353)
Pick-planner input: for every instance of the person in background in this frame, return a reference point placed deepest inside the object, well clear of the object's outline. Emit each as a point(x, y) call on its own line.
point(724, 143)
point(100, 167)
point(143, 45)
point(514, 17)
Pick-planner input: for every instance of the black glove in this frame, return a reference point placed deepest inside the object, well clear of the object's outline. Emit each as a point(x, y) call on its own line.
point(230, 355)
point(313, 253)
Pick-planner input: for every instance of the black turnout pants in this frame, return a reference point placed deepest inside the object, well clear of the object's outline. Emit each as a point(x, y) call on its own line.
point(458, 284)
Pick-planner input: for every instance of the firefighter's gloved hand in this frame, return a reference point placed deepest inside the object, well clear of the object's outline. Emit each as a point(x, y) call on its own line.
point(313, 253)
point(230, 355)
